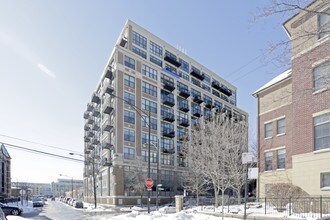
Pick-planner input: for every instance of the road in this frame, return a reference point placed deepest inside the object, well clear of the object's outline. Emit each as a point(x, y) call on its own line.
point(56, 210)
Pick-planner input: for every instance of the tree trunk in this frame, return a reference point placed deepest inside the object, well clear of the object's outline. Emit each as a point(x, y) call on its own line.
point(222, 205)
point(239, 197)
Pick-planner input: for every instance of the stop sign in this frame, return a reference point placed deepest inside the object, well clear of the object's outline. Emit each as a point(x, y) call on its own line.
point(149, 183)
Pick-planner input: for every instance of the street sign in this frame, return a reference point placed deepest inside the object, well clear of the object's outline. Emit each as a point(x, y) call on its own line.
point(253, 173)
point(247, 157)
point(149, 183)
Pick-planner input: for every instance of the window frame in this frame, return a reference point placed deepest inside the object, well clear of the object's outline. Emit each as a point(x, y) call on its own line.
point(283, 127)
point(323, 123)
point(280, 153)
point(322, 184)
point(129, 62)
point(269, 167)
point(129, 81)
point(321, 74)
point(268, 131)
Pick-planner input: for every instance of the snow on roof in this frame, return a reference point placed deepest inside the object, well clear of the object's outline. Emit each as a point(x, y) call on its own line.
point(277, 79)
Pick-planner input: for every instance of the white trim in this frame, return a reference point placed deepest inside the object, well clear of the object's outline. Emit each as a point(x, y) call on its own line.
point(267, 138)
point(321, 151)
point(321, 113)
point(321, 61)
point(282, 134)
point(275, 149)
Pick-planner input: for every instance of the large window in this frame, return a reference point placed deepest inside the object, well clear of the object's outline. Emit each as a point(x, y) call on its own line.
point(139, 40)
point(156, 61)
point(156, 49)
point(129, 62)
point(325, 180)
point(281, 126)
point(167, 159)
point(150, 72)
point(268, 161)
point(129, 135)
point(153, 122)
point(129, 81)
point(129, 117)
point(149, 89)
point(322, 132)
point(324, 23)
point(281, 159)
point(149, 105)
point(129, 153)
point(153, 156)
point(184, 65)
point(139, 52)
point(145, 138)
point(129, 98)
point(321, 76)
point(268, 130)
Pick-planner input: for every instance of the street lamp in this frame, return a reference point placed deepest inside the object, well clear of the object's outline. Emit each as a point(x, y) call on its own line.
point(71, 183)
point(94, 179)
point(158, 158)
point(139, 111)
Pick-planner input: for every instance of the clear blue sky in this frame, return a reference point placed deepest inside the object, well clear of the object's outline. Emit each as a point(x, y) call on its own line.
point(53, 52)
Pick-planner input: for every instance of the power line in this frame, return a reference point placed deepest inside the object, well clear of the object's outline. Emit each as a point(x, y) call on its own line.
point(33, 142)
point(40, 152)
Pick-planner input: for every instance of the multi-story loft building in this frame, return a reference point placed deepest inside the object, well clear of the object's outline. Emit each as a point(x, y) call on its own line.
point(145, 75)
point(5, 168)
point(35, 189)
point(65, 187)
point(294, 109)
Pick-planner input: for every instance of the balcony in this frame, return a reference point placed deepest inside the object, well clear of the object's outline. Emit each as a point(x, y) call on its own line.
point(171, 58)
point(208, 104)
point(197, 112)
point(198, 99)
point(106, 162)
point(90, 147)
point(109, 74)
point(95, 141)
point(95, 98)
point(184, 107)
point(90, 134)
point(107, 108)
point(168, 85)
point(197, 73)
point(107, 125)
point(183, 137)
point(167, 116)
point(90, 107)
point(216, 84)
point(168, 100)
point(225, 90)
point(86, 114)
point(184, 92)
point(123, 42)
point(90, 121)
point(95, 127)
point(87, 139)
point(107, 145)
point(87, 127)
point(169, 133)
point(184, 122)
point(109, 89)
point(168, 150)
point(96, 112)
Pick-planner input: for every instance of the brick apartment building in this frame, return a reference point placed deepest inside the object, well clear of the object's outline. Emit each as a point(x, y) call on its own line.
point(294, 109)
point(5, 171)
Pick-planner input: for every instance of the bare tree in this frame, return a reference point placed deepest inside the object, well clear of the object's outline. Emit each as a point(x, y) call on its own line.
point(238, 144)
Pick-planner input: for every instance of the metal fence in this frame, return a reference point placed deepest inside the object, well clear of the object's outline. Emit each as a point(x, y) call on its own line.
point(304, 207)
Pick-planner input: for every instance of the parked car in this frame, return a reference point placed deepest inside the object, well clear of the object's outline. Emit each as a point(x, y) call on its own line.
point(38, 203)
point(10, 210)
point(2, 215)
point(78, 204)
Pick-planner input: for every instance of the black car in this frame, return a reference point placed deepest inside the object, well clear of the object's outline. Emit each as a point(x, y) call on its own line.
point(10, 210)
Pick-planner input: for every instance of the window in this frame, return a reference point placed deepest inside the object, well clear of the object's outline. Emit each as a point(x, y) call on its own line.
point(149, 89)
point(281, 159)
point(207, 78)
point(145, 138)
point(156, 49)
point(196, 82)
point(324, 23)
point(129, 81)
point(268, 161)
point(129, 153)
point(153, 156)
point(139, 52)
point(129, 135)
point(167, 159)
point(325, 180)
point(149, 105)
point(129, 62)
point(129, 117)
point(281, 126)
point(156, 61)
point(321, 76)
point(129, 98)
point(153, 122)
point(206, 88)
point(170, 68)
point(268, 130)
point(322, 132)
point(184, 65)
point(150, 72)
point(139, 40)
